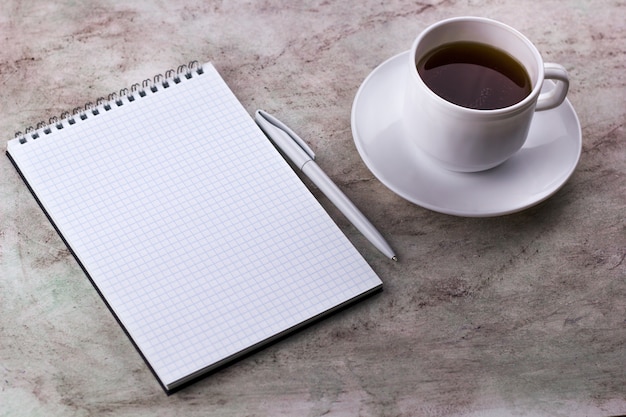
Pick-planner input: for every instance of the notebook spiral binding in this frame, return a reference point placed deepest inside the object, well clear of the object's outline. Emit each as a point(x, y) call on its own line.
point(148, 86)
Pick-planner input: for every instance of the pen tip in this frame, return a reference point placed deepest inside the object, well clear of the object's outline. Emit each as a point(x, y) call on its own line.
point(394, 258)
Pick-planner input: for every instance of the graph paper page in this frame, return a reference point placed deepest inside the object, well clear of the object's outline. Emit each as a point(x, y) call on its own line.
point(196, 232)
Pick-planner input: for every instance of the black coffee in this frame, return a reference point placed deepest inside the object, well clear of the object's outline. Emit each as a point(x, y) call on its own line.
point(475, 75)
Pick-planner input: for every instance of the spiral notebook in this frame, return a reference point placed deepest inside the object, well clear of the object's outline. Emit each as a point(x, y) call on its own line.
point(199, 237)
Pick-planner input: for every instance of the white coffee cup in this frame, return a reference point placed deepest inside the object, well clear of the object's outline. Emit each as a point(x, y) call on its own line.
point(466, 139)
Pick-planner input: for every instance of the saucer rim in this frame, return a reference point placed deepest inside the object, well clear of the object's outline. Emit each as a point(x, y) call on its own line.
point(454, 209)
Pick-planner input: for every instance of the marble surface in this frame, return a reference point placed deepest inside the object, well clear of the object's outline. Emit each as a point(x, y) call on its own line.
point(519, 315)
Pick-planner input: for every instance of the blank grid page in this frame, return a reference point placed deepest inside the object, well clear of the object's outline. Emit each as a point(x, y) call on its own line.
point(198, 234)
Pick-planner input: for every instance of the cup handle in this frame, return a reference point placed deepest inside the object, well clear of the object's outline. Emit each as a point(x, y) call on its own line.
point(555, 96)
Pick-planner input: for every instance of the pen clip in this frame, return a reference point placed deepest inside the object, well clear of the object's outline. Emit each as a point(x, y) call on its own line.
point(280, 125)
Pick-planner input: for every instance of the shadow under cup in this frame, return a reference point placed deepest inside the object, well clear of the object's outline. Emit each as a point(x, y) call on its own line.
point(461, 138)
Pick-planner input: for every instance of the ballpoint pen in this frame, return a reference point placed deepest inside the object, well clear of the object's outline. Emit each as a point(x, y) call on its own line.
point(303, 157)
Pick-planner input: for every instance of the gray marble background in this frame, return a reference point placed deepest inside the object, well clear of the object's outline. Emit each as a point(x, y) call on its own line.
point(520, 315)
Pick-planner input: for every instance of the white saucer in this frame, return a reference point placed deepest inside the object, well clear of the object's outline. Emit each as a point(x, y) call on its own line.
point(533, 174)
